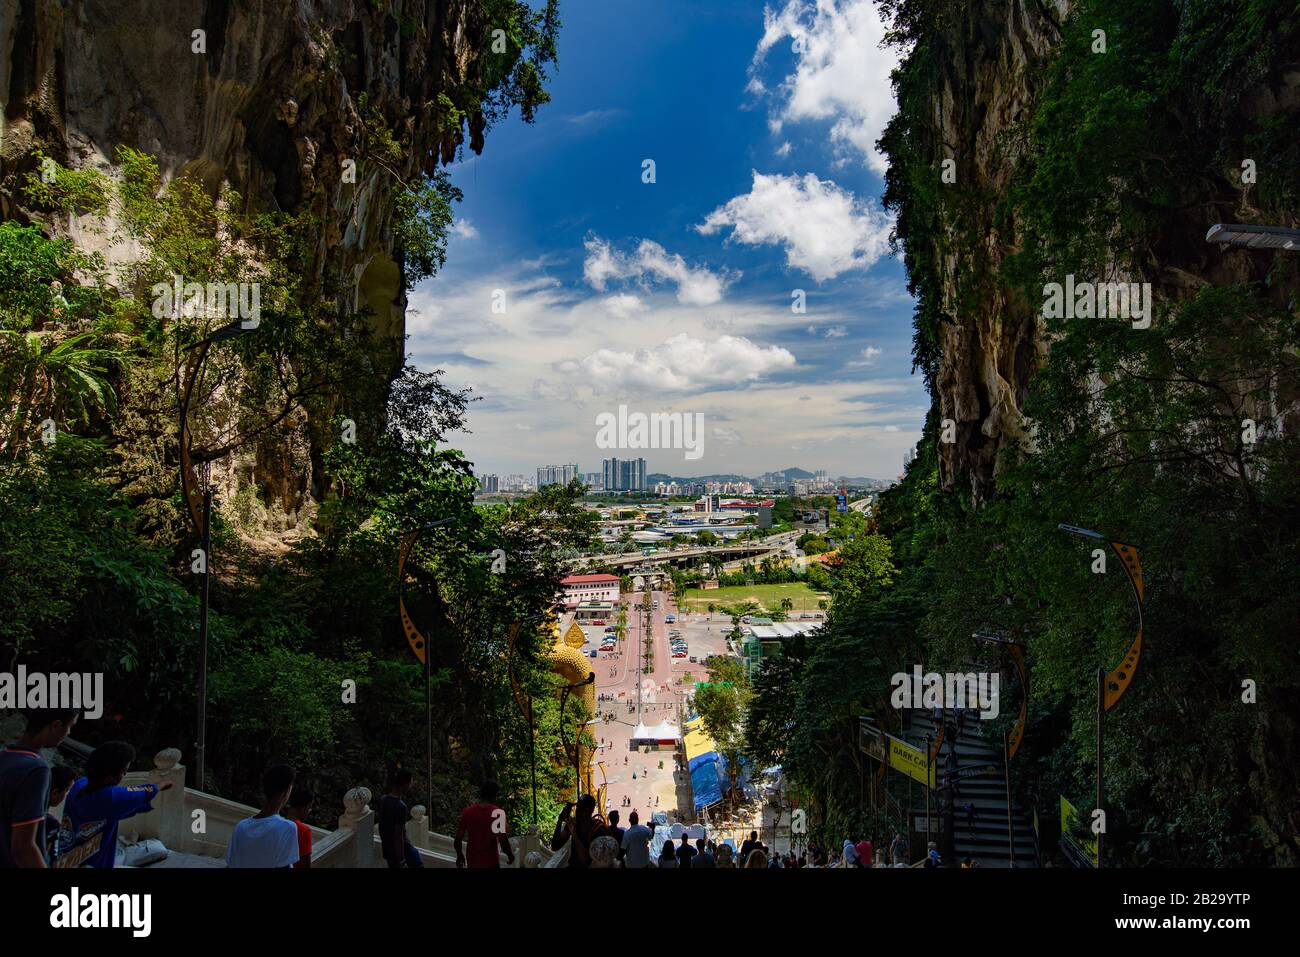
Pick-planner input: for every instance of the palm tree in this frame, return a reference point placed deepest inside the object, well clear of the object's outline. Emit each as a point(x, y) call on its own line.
point(62, 379)
point(786, 604)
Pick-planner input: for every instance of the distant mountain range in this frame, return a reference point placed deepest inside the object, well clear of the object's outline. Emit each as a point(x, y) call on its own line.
point(789, 475)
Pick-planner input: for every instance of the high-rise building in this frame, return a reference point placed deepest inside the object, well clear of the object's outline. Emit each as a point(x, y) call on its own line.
point(624, 475)
point(556, 474)
point(593, 480)
point(489, 483)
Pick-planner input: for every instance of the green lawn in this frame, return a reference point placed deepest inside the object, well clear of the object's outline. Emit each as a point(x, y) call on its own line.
point(768, 596)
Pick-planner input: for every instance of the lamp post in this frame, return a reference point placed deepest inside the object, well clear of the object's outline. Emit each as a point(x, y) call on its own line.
point(1112, 685)
point(420, 646)
point(525, 707)
point(577, 731)
point(199, 508)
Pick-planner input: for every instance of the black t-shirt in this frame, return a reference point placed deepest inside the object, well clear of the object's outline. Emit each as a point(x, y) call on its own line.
point(24, 790)
point(684, 855)
point(391, 817)
point(617, 833)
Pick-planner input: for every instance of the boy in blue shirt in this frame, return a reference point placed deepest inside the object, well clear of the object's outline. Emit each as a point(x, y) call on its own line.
point(97, 803)
point(25, 787)
point(61, 781)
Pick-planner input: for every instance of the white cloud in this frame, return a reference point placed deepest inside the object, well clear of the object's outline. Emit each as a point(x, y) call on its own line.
point(726, 436)
point(464, 229)
point(825, 230)
point(696, 285)
point(836, 332)
point(870, 352)
point(783, 150)
point(841, 74)
point(624, 305)
point(680, 364)
point(527, 366)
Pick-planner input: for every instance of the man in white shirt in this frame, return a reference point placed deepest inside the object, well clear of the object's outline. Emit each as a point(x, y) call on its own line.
point(267, 839)
point(636, 843)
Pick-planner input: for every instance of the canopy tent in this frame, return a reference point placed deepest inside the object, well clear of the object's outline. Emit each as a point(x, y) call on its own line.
point(662, 734)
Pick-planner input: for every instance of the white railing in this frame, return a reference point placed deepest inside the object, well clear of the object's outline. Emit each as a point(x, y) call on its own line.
point(190, 821)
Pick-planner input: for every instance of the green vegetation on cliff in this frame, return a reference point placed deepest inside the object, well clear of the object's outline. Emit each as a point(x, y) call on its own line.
point(1172, 438)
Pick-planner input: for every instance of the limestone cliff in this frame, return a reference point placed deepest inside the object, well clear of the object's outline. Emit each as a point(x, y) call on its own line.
point(266, 96)
point(972, 85)
point(987, 83)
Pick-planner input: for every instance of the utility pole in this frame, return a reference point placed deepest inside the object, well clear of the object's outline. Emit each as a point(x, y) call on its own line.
point(1006, 773)
point(1101, 725)
point(927, 795)
point(201, 746)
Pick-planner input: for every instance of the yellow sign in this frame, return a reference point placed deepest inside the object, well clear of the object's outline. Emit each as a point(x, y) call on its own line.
point(574, 637)
point(910, 761)
point(1069, 817)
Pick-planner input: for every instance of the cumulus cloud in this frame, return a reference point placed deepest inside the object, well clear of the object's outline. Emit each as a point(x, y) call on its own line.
point(824, 229)
point(464, 229)
point(841, 74)
point(696, 285)
point(624, 305)
point(836, 332)
point(680, 364)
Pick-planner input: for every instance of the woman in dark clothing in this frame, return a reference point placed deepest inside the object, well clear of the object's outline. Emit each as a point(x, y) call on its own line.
point(581, 828)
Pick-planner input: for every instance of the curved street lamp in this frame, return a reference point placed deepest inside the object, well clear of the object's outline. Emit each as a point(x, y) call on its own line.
point(419, 644)
point(577, 731)
point(198, 506)
point(1112, 685)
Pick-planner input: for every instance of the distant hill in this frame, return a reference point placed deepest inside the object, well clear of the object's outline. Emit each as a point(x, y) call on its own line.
point(790, 475)
point(654, 477)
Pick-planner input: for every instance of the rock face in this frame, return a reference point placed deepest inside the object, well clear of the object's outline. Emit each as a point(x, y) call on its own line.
point(261, 95)
point(991, 56)
point(989, 60)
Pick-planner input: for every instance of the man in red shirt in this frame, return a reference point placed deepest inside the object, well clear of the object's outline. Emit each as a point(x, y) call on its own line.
point(485, 826)
point(296, 810)
point(864, 852)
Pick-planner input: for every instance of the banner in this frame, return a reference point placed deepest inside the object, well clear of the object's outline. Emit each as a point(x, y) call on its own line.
point(910, 761)
point(871, 741)
point(1083, 850)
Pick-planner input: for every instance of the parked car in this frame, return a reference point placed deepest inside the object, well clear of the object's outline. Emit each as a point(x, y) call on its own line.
point(679, 654)
point(593, 652)
point(693, 660)
point(670, 618)
point(599, 621)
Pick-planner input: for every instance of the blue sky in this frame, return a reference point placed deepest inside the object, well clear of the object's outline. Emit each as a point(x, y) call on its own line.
point(675, 296)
